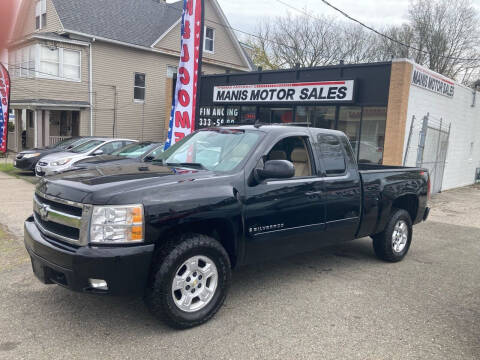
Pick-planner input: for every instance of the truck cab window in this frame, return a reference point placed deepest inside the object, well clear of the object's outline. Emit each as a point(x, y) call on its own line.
point(295, 150)
point(332, 155)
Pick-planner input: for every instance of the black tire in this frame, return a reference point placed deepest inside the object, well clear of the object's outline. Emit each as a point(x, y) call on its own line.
point(159, 298)
point(383, 242)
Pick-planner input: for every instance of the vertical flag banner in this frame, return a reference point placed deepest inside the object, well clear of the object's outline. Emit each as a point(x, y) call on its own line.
point(184, 104)
point(4, 107)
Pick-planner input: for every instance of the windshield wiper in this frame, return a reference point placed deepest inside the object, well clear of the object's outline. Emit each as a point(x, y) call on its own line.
point(188, 164)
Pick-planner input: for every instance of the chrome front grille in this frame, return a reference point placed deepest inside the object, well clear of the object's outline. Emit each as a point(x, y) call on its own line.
point(61, 219)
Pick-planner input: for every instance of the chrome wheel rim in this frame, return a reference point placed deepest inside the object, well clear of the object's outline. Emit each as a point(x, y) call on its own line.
point(194, 283)
point(400, 236)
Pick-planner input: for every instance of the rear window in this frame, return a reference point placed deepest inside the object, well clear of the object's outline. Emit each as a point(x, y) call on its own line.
point(332, 155)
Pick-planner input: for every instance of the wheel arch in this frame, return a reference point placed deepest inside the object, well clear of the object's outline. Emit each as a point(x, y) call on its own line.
point(223, 230)
point(409, 203)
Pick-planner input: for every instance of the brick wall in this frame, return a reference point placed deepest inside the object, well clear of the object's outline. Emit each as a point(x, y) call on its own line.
point(397, 112)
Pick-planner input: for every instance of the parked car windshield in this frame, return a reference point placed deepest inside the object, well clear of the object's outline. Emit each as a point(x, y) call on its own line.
point(158, 150)
point(134, 150)
point(62, 144)
point(218, 150)
point(86, 147)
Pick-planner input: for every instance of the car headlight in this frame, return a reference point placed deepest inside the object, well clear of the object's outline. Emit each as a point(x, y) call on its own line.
point(117, 224)
point(28, 156)
point(60, 162)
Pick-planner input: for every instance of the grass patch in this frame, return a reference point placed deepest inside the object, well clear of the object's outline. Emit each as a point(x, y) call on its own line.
point(9, 169)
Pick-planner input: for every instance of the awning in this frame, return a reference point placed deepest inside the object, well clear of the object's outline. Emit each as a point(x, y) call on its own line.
point(48, 104)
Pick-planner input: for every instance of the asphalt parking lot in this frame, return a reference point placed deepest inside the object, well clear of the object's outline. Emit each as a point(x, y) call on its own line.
point(341, 303)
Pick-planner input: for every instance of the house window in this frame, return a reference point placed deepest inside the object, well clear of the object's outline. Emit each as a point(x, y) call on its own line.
point(21, 62)
point(71, 64)
point(171, 71)
point(40, 14)
point(209, 42)
point(59, 63)
point(139, 88)
point(49, 61)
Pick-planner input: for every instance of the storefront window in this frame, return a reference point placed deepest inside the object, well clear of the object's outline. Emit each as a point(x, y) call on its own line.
point(316, 116)
point(349, 123)
point(276, 115)
point(264, 115)
point(373, 135)
point(249, 115)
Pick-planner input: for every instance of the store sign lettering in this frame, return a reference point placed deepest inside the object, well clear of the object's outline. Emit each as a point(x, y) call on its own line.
point(433, 82)
point(218, 116)
point(324, 91)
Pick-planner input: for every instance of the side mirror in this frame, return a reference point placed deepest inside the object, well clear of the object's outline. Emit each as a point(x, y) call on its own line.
point(149, 158)
point(276, 169)
point(97, 152)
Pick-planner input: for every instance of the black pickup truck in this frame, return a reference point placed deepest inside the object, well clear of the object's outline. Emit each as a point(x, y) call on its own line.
point(172, 230)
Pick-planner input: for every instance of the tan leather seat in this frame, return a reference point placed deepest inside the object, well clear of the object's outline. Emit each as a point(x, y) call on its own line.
point(301, 162)
point(277, 155)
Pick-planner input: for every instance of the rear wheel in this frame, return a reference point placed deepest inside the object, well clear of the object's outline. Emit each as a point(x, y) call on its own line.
point(190, 281)
point(393, 243)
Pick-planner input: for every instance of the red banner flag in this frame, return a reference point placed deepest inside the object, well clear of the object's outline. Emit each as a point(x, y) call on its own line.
point(4, 107)
point(182, 117)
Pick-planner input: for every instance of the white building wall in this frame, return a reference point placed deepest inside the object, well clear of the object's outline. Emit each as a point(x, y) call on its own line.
point(463, 155)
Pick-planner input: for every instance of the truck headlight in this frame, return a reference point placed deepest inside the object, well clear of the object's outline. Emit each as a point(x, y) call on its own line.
point(60, 162)
point(117, 224)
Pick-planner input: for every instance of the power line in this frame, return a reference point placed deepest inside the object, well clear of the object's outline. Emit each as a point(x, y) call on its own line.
point(371, 29)
point(238, 30)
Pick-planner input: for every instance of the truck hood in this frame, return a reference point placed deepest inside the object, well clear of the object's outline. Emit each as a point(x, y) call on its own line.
point(119, 183)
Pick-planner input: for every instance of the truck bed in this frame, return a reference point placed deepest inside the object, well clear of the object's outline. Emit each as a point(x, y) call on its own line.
point(381, 185)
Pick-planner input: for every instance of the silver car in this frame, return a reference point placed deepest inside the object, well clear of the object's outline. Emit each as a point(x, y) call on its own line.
point(59, 162)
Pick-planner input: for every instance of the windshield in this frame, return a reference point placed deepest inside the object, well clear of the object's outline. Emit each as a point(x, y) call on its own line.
point(218, 150)
point(86, 147)
point(157, 151)
point(62, 144)
point(134, 150)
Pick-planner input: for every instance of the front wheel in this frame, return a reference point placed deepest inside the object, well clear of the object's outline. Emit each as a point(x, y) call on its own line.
point(190, 281)
point(393, 243)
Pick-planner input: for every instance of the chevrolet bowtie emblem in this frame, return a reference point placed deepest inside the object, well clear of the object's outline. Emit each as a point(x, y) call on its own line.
point(43, 211)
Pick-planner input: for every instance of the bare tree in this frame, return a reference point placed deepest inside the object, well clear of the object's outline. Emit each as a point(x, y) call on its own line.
point(292, 40)
point(440, 34)
point(447, 32)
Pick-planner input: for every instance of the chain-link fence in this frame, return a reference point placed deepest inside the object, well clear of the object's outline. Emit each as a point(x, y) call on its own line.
point(427, 147)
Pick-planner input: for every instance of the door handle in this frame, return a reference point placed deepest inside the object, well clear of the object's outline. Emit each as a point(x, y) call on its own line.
point(313, 193)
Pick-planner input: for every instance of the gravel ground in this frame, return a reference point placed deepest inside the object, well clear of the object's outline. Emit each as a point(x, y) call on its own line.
point(341, 303)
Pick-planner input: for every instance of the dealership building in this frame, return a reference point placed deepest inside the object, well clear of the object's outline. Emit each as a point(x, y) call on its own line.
point(394, 112)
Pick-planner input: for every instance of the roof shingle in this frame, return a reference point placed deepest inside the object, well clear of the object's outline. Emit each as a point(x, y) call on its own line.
point(138, 22)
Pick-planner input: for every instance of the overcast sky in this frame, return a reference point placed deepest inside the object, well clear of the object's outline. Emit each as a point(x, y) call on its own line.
point(246, 14)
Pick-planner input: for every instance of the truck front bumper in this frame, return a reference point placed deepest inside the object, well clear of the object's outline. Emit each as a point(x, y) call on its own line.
point(124, 269)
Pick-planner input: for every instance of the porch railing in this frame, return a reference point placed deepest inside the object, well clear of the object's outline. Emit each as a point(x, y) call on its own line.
point(57, 139)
